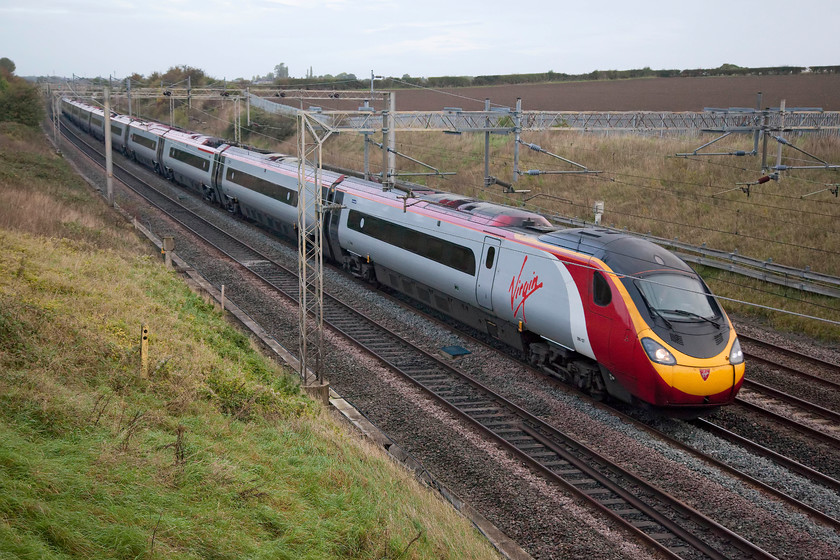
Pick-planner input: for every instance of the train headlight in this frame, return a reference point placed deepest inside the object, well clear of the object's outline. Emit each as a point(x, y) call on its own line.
point(658, 353)
point(736, 356)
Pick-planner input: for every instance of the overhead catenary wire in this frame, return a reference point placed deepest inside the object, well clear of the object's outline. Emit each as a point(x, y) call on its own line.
point(627, 183)
point(443, 92)
point(718, 297)
point(587, 207)
point(610, 176)
point(776, 294)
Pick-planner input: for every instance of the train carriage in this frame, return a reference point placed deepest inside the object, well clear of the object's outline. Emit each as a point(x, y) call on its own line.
point(608, 312)
point(119, 132)
point(95, 123)
point(74, 111)
point(144, 142)
point(427, 249)
point(263, 187)
point(188, 159)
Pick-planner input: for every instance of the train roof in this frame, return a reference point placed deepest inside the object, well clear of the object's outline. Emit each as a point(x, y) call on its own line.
point(260, 158)
point(189, 138)
point(487, 213)
point(623, 253)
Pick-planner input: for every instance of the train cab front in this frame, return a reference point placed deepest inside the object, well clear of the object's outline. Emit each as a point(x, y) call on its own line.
point(692, 350)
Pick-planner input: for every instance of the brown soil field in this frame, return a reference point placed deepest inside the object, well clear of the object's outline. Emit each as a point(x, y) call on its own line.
point(645, 94)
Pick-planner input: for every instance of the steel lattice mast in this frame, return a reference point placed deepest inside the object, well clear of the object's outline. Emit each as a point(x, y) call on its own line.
point(311, 136)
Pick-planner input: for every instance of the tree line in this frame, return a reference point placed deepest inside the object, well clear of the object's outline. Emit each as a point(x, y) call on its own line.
point(20, 101)
point(279, 77)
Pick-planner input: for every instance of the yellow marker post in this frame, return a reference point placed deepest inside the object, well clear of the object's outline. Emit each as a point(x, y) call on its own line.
point(144, 350)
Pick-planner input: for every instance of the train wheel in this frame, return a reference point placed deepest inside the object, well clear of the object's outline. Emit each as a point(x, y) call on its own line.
point(587, 377)
point(598, 389)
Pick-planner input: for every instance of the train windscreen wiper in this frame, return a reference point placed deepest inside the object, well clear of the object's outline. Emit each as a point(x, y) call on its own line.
point(690, 314)
point(653, 310)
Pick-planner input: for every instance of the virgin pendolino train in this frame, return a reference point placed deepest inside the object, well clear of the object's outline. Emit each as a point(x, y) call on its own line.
point(610, 313)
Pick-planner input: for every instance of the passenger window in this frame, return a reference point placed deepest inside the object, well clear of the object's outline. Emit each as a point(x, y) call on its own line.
point(491, 254)
point(601, 293)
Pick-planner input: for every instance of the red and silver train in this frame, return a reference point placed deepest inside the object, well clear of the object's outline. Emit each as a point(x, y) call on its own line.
point(610, 313)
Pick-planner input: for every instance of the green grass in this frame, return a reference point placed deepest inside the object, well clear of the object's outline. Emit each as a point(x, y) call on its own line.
point(215, 454)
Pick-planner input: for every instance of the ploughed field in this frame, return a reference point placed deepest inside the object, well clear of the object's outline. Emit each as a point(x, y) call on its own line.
point(643, 94)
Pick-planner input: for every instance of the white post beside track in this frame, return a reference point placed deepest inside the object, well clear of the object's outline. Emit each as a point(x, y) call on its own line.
point(109, 160)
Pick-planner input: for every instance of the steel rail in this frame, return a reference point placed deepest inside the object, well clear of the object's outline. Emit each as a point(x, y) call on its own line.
point(804, 470)
point(835, 368)
point(793, 424)
point(792, 400)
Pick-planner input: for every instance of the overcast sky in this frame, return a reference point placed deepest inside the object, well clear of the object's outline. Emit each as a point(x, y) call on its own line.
point(244, 38)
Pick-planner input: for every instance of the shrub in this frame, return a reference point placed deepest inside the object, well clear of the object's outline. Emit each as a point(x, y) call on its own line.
point(19, 100)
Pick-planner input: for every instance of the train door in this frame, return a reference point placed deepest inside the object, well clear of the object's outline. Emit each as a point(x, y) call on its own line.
point(216, 177)
point(332, 200)
point(160, 151)
point(487, 272)
point(599, 321)
point(332, 218)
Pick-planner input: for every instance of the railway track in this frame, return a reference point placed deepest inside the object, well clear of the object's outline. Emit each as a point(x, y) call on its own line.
point(777, 490)
point(666, 524)
point(804, 382)
point(778, 387)
point(831, 368)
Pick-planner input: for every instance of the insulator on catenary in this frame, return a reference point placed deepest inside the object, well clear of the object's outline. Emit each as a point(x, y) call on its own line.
point(763, 180)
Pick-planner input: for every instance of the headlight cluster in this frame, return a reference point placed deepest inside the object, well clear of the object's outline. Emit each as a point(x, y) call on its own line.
point(736, 356)
point(658, 353)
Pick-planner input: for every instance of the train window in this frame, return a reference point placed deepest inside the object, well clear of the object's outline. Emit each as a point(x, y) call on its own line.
point(190, 159)
point(491, 255)
point(445, 252)
point(143, 141)
point(601, 293)
point(263, 186)
point(675, 295)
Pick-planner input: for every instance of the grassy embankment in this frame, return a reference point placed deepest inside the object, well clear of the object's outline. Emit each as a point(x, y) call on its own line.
point(216, 454)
